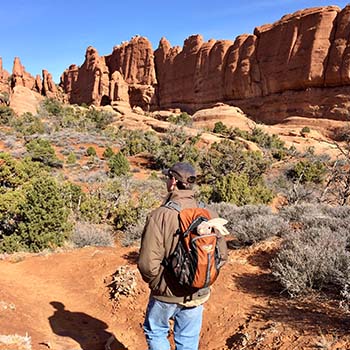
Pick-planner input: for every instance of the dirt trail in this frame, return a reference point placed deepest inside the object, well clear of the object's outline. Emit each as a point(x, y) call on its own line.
point(62, 302)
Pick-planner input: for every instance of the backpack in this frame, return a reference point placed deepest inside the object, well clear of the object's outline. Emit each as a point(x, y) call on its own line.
point(195, 261)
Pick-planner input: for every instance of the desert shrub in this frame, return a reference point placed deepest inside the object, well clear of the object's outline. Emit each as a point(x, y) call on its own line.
point(237, 132)
point(52, 106)
point(6, 115)
point(94, 209)
point(305, 216)
point(307, 171)
point(118, 165)
point(134, 211)
point(39, 220)
point(28, 124)
point(341, 134)
point(226, 157)
point(180, 119)
point(235, 188)
point(314, 258)
point(12, 173)
point(265, 140)
point(220, 128)
point(138, 141)
point(293, 191)
point(251, 223)
point(305, 130)
point(177, 146)
point(72, 195)
point(40, 150)
point(234, 174)
point(132, 234)
point(91, 151)
point(71, 117)
point(72, 158)
point(88, 234)
point(101, 119)
point(4, 97)
point(107, 153)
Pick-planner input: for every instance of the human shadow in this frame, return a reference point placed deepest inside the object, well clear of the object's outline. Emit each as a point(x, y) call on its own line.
point(86, 330)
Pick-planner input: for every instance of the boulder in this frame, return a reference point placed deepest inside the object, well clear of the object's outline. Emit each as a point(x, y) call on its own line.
point(23, 99)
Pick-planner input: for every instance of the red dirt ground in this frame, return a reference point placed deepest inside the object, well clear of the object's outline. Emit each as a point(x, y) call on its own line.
point(61, 301)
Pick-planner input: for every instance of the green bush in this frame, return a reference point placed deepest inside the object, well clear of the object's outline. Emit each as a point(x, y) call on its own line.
point(307, 171)
point(44, 216)
point(94, 209)
point(220, 128)
point(107, 153)
point(72, 158)
point(180, 119)
point(52, 106)
point(177, 146)
point(72, 195)
point(305, 130)
point(138, 141)
point(227, 156)
point(12, 173)
point(39, 220)
point(118, 165)
point(40, 150)
point(235, 188)
point(91, 151)
point(28, 124)
point(6, 115)
point(101, 119)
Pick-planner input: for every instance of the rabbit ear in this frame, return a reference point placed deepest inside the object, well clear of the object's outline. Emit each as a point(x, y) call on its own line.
point(218, 225)
point(217, 221)
point(222, 230)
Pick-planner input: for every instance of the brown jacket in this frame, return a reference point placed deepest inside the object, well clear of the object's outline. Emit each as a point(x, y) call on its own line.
point(158, 243)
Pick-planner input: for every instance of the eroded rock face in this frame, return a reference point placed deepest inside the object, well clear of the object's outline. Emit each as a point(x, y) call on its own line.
point(24, 89)
point(4, 79)
point(88, 83)
point(299, 65)
point(134, 60)
point(20, 77)
point(107, 79)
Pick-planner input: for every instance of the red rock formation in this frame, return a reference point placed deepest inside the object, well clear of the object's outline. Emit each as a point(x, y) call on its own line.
point(4, 79)
point(242, 75)
point(88, 83)
point(338, 68)
point(49, 88)
point(299, 65)
point(20, 77)
point(297, 57)
point(134, 60)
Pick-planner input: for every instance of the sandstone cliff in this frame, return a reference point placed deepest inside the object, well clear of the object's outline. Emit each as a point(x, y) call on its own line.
point(299, 65)
point(23, 90)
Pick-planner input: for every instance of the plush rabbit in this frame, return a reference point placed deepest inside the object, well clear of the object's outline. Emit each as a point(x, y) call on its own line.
point(217, 224)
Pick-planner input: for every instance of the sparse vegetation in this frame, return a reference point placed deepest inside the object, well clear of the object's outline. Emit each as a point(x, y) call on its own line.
point(88, 234)
point(118, 165)
point(180, 119)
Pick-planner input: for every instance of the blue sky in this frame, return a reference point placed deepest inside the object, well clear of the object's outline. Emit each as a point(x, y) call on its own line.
point(53, 34)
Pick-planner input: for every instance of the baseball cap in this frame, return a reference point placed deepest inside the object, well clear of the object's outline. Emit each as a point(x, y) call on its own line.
point(182, 171)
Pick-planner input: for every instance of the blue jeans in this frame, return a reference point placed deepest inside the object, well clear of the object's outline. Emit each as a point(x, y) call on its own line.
point(187, 325)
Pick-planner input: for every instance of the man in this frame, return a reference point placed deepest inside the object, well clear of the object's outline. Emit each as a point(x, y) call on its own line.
point(168, 300)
